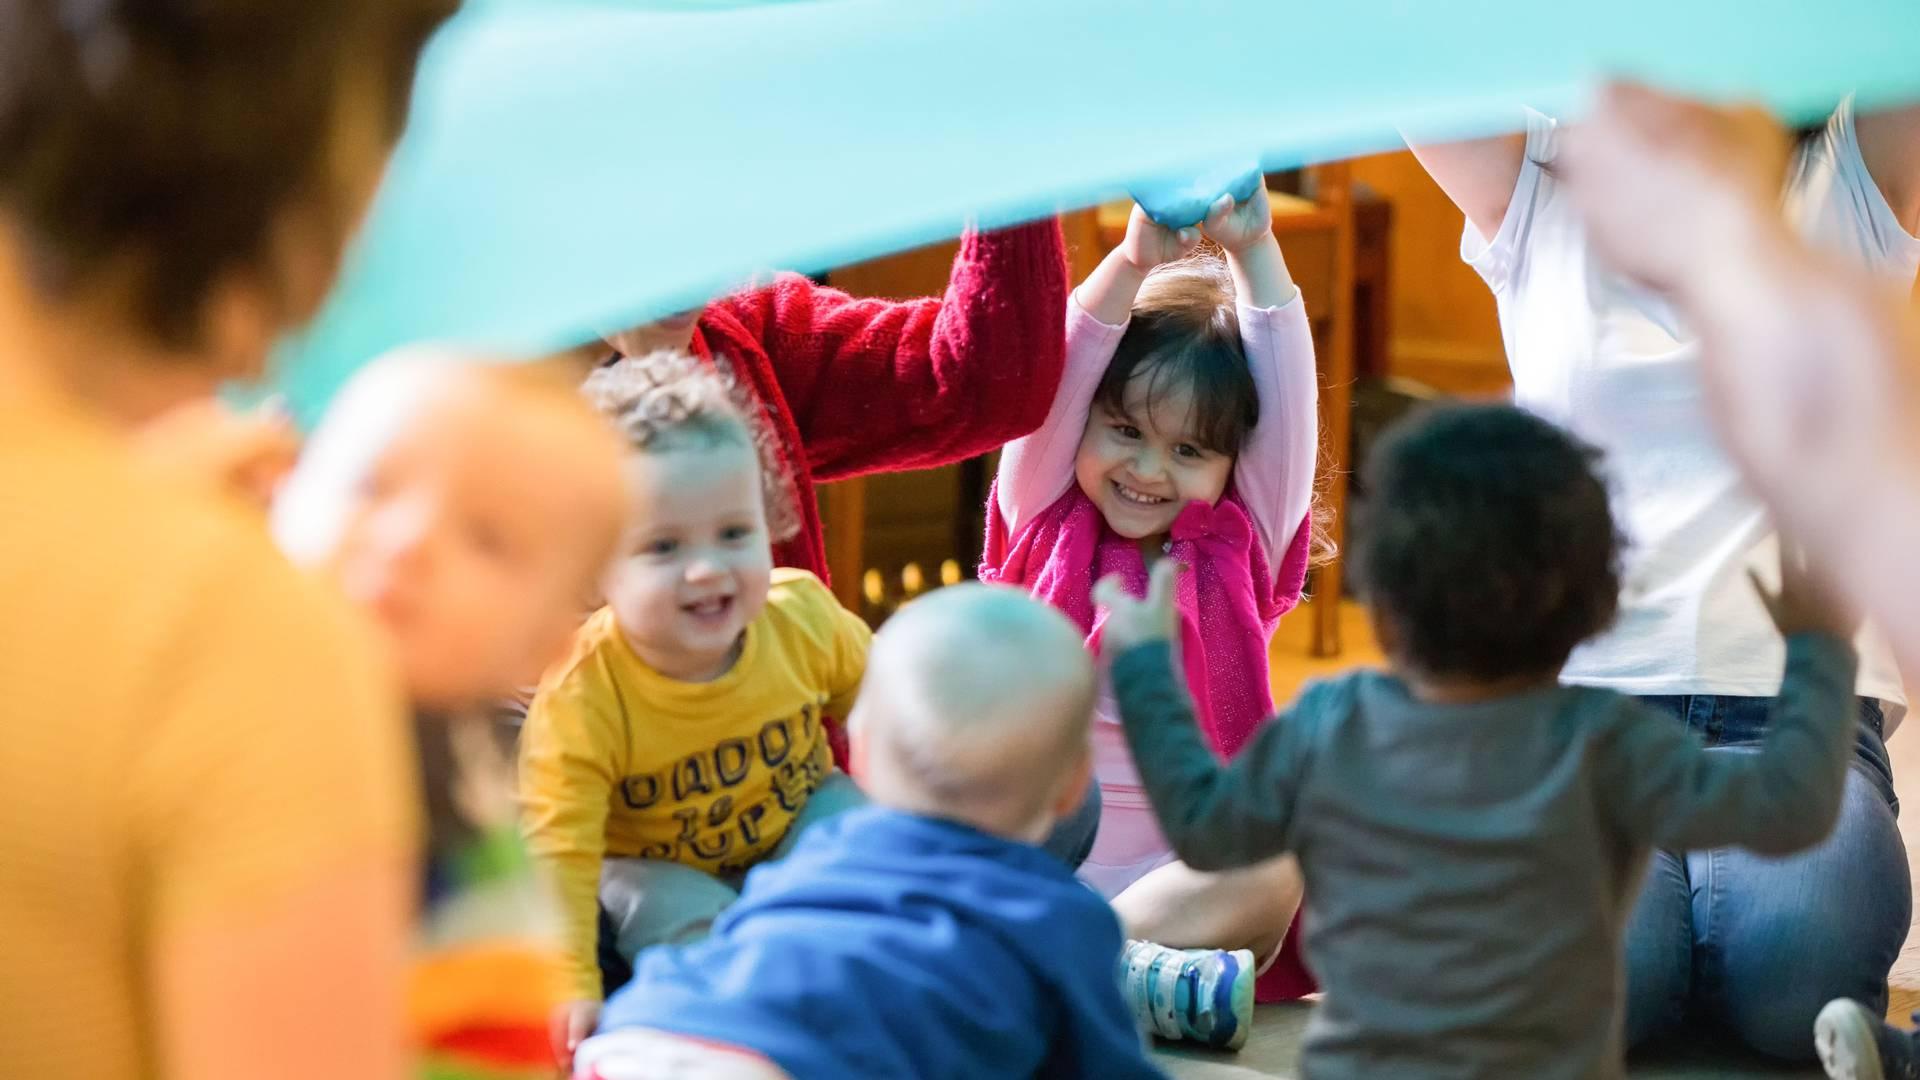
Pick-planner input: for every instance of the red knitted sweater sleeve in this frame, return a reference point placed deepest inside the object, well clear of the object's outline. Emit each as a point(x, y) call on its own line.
point(881, 385)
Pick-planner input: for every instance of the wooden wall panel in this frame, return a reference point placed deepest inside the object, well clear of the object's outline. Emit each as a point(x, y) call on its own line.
point(1445, 331)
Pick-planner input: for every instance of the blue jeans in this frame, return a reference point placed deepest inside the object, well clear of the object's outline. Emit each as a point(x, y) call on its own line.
point(1757, 945)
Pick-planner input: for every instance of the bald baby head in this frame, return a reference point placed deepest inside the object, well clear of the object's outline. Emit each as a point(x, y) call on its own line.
point(975, 707)
point(470, 506)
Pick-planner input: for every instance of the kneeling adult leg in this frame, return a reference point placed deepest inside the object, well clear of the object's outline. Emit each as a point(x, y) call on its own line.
point(1780, 937)
point(1659, 951)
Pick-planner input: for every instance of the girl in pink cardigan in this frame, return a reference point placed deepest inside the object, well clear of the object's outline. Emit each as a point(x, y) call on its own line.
point(1184, 428)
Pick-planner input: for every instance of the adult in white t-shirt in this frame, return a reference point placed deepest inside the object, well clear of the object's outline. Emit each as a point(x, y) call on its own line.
point(1757, 945)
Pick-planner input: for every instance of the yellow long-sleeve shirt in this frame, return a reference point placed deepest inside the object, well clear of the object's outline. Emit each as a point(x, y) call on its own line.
point(617, 759)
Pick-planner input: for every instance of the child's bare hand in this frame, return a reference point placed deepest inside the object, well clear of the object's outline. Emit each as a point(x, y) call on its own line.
point(1148, 245)
point(1132, 622)
point(1238, 226)
point(571, 1025)
point(246, 454)
point(1805, 602)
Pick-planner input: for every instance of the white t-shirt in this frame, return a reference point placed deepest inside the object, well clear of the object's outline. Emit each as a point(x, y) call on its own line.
point(1611, 362)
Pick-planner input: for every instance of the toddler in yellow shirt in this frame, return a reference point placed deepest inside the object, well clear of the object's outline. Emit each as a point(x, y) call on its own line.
point(682, 741)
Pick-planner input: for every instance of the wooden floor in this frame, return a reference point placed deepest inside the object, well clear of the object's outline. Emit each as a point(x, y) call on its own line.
point(1274, 1048)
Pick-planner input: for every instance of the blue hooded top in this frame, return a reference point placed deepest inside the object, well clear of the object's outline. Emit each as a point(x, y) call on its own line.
point(893, 945)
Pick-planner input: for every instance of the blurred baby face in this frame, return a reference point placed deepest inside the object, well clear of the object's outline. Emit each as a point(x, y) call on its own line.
point(475, 537)
point(697, 563)
point(1141, 466)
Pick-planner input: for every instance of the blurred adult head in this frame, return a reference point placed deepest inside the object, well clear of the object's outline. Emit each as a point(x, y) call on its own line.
point(178, 178)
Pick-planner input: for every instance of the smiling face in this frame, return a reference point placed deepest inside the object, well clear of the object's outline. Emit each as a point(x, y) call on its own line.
point(1142, 463)
point(697, 565)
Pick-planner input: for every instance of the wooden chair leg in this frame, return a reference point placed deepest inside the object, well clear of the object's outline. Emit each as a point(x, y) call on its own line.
point(1335, 191)
point(844, 517)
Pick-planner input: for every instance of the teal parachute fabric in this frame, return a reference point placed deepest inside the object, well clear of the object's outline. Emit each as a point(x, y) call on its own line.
point(573, 167)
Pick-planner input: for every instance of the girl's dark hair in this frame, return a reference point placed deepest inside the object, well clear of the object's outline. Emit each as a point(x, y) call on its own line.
point(168, 135)
point(1185, 336)
point(1488, 549)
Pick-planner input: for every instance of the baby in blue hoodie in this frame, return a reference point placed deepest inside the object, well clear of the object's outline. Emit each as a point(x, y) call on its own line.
point(927, 934)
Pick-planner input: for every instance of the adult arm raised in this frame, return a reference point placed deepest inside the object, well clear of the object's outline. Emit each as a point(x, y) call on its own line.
point(1811, 367)
point(1479, 175)
point(1890, 145)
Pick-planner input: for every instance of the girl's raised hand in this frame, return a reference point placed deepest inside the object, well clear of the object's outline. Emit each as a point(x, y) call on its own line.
point(1132, 622)
point(1238, 226)
point(1147, 245)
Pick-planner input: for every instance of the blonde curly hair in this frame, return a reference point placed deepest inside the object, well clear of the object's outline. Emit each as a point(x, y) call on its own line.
point(668, 400)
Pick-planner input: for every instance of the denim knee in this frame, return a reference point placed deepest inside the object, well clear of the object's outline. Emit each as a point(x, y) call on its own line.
point(1784, 936)
point(1659, 952)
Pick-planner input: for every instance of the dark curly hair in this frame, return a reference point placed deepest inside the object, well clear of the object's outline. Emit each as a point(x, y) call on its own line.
point(669, 400)
point(168, 136)
point(1488, 550)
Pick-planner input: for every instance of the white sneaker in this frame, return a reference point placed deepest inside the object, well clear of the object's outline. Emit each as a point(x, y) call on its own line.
point(1847, 1037)
point(1199, 995)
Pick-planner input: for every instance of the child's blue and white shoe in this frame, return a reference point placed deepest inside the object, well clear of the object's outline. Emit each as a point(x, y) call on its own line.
point(1199, 995)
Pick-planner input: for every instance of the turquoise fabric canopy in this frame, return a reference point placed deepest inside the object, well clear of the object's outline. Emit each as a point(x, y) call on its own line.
point(574, 167)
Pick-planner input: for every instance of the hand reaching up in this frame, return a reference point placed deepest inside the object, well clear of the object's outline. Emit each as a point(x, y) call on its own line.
point(1805, 602)
point(1238, 226)
point(1132, 622)
point(1148, 245)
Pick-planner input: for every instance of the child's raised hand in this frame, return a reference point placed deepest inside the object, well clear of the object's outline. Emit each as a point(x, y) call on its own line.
point(1132, 622)
point(1238, 226)
point(1805, 602)
point(1147, 245)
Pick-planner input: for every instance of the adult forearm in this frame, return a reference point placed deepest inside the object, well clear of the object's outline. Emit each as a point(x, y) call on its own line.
point(1813, 374)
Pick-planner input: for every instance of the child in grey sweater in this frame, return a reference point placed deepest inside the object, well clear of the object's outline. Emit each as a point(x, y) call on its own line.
point(1472, 833)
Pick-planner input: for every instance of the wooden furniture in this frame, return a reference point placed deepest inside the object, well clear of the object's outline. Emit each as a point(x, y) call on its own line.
point(882, 524)
point(1372, 288)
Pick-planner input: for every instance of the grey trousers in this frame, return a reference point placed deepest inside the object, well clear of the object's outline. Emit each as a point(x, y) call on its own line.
point(653, 902)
